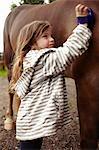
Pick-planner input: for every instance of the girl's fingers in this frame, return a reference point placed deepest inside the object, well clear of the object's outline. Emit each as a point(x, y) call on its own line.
point(77, 7)
point(86, 10)
point(81, 10)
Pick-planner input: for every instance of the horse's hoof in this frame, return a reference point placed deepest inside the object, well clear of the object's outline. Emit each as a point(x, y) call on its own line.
point(8, 124)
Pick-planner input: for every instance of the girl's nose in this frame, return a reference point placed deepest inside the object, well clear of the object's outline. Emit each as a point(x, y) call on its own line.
point(51, 39)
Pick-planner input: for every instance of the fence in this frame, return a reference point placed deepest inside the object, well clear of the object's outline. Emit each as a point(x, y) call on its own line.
point(2, 66)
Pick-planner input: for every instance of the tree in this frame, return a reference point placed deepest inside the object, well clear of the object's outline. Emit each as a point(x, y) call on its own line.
point(13, 5)
point(33, 1)
point(29, 2)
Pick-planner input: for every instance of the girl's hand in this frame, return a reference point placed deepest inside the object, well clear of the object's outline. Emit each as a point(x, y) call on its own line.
point(81, 10)
point(85, 16)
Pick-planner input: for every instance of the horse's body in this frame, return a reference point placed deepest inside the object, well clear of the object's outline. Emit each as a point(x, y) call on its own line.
point(85, 70)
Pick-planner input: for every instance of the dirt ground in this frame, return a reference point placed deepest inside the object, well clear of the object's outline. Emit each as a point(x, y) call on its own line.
point(66, 139)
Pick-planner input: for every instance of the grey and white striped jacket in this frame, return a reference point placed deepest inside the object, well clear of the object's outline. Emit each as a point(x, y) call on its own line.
point(41, 87)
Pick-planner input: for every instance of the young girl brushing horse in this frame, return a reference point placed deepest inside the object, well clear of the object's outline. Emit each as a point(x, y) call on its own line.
point(39, 80)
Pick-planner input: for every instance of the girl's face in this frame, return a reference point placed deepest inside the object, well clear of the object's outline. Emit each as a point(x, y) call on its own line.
point(45, 40)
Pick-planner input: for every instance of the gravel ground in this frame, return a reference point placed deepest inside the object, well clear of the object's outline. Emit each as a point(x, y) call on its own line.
point(66, 139)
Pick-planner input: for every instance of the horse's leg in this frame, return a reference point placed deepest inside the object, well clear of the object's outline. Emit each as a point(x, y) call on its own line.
point(87, 109)
point(8, 124)
point(12, 110)
point(8, 59)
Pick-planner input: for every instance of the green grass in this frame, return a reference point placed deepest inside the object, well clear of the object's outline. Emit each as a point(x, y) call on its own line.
point(3, 73)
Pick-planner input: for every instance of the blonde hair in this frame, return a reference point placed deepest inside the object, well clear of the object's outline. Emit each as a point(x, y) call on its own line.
point(26, 39)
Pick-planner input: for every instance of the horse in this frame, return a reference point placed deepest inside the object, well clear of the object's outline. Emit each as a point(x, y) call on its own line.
point(84, 71)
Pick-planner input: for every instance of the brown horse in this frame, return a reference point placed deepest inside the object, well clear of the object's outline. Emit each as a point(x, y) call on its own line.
point(85, 71)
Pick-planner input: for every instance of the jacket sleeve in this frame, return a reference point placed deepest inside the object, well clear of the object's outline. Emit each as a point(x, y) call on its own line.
point(62, 57)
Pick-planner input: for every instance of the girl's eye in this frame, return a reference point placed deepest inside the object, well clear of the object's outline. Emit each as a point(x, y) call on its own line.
point(45, 36)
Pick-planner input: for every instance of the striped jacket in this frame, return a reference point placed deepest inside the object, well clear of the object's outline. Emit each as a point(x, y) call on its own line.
point(41, 87)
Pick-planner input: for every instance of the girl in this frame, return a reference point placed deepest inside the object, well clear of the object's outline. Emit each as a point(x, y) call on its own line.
point(39, 81)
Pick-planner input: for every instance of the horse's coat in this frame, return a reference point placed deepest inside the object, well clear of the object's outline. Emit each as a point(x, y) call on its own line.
point(85, 70)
